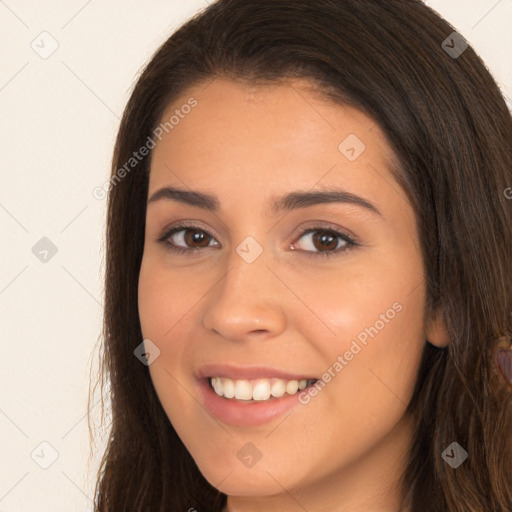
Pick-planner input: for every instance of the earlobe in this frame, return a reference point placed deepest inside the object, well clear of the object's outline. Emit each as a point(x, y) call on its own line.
point(437, 330)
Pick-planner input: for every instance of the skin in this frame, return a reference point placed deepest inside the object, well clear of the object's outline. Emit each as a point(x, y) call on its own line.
point(291, 309)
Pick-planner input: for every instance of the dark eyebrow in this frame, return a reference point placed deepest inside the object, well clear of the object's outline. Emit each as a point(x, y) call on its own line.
point(288, 202)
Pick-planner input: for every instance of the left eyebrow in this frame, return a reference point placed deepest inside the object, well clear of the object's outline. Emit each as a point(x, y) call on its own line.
point(288, 202)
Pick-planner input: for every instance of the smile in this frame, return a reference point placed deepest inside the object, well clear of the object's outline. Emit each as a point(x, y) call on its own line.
point(256, 389)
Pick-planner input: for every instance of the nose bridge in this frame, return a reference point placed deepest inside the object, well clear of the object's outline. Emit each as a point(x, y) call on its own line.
point(247, 297)
point(246, 266)
point(248, 281)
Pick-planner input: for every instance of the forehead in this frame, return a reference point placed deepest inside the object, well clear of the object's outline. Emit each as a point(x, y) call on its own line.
point(271, 138)
point(292, 105)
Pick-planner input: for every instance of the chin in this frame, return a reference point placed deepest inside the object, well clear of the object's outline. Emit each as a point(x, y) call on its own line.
point(235, 479)
point(241, 485)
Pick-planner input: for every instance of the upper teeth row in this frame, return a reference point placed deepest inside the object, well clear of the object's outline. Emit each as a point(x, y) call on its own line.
point(258, 389)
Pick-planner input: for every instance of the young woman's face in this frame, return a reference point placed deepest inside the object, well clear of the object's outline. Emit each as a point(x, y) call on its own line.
point(260, 289)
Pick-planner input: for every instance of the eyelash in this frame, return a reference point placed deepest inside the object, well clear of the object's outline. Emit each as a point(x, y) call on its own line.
point(350, 243)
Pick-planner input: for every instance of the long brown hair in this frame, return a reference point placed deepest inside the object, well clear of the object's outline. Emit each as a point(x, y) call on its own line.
point(451, 132)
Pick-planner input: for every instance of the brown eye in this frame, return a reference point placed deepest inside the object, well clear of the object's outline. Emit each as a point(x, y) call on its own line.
point(325, 241)
point(191, 237)
point(183, 239)
point(196, 236)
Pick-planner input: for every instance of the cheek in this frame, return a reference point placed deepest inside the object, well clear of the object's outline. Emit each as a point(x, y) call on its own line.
point(371, 365)
point(163, 306)
point(163, 299)
point(369, 331)
point(379, 303)
point(166, 304)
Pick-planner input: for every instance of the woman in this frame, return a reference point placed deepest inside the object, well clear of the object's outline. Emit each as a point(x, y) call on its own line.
point(309, 267)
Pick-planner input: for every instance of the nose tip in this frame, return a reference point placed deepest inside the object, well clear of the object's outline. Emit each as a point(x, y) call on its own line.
point(246, 302)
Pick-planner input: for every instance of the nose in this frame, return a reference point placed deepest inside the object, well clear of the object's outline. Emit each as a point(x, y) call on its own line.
point(246, 302)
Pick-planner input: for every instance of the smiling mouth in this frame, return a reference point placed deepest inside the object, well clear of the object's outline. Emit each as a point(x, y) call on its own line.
point(257, 390)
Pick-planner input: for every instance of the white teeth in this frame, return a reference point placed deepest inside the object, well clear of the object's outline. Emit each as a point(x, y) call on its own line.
point(292, 386)
point(243, 390)
point(278, 388)
point(261, 391)
point(257, 389)
point(228, 388)
point(217, 386)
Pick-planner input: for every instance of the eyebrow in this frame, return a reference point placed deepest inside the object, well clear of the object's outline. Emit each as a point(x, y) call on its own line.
point(288, 202)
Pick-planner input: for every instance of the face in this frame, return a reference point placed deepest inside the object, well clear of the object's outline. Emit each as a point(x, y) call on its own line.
point(259, 291)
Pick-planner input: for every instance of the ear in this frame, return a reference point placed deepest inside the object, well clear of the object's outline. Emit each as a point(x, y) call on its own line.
point(437, 330)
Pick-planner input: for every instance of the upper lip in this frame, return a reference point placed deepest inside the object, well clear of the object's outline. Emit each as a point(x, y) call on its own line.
point(247, 372)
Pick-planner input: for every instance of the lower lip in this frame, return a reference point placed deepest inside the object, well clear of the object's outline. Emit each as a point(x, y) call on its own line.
point(243, 414)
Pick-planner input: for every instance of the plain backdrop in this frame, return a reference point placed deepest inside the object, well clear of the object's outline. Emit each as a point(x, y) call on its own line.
point(66, 71)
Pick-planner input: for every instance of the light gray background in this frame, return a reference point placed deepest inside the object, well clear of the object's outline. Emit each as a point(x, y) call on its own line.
point(59, 117)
